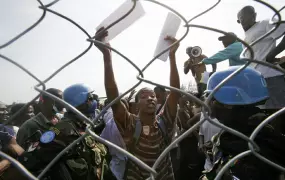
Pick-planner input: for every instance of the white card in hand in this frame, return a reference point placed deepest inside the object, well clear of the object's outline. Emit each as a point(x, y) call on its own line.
point(170, 28)
point(136, 14)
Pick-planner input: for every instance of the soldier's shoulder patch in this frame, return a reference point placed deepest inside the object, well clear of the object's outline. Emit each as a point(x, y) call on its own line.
point(55, 130)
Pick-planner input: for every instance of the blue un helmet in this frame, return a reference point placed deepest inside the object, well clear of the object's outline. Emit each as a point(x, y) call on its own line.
point(245, 88)
point(76, 94)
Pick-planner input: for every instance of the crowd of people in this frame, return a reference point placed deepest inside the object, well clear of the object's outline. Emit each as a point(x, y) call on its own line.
point(145, 122)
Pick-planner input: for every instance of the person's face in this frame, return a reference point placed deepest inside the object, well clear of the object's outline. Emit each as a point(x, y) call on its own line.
point(147, 101)
point(220, 111)
point(246, 19)
point(50, 103)
point(3, 113)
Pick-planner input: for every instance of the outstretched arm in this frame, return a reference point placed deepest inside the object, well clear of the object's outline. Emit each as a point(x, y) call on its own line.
point(174, 79)
point(119, 110)
point(227, 53)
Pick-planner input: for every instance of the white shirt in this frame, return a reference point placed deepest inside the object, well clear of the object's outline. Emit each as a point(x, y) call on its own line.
point(262, 48)
point(108, 115)
point(208, 130)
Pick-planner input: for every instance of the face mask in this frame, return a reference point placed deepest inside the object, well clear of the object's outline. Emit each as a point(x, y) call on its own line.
point(92, 107)
point(59, 115)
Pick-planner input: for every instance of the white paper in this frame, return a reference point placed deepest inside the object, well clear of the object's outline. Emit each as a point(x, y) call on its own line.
point(136, 14)
point(170, 28)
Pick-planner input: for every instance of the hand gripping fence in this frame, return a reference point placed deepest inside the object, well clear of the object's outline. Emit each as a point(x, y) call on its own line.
point(253, 148)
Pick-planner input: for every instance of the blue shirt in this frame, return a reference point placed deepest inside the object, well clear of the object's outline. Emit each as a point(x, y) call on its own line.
point(232, 53)
point(6, 135)
point(112, 134)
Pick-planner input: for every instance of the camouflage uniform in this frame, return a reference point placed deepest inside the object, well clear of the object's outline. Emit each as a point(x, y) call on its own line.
point(84, 161)
point(89, 156)
point(38, 122)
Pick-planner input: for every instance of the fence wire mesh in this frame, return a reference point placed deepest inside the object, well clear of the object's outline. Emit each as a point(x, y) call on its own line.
point(253, 148)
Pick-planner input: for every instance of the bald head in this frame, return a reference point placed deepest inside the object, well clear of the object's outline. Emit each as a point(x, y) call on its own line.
point(247, 10)
point(246, 17)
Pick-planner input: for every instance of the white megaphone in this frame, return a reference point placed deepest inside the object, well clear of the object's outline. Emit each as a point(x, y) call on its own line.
point(196, 51)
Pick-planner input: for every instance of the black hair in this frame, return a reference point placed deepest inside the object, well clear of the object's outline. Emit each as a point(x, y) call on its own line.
point(16, 107)
point(159, 88)
point(53, 91)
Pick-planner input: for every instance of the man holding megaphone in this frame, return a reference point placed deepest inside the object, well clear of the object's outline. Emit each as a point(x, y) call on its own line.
point(197, 68)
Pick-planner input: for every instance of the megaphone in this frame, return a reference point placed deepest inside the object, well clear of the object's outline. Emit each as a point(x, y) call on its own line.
point(196, 51)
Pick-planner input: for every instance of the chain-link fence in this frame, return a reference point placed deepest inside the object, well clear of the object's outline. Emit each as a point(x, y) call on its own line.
point(253, 149)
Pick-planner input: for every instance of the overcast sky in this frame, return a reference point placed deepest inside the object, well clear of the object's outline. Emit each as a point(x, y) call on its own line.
point(55, 41)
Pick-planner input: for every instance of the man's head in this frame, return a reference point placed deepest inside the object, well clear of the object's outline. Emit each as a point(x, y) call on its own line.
point(246, 17)
point(80, 96)
point(160, 94)
point(146, 101)
point(26, 114)
point(228, 39)
point(49, 106)
point(3, 112)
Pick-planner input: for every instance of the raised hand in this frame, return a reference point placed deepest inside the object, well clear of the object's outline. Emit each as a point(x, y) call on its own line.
point(100, 35)
point(172, 40)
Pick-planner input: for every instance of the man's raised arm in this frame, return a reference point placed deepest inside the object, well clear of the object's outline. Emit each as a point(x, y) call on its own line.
point(174, 79)
point(119, 110)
